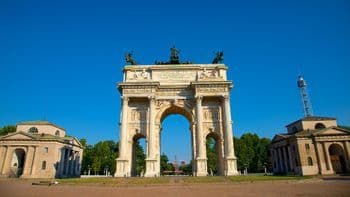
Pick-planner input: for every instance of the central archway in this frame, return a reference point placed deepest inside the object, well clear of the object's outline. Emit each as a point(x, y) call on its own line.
point(183, 117)
point(336, 153)
point(18, 160)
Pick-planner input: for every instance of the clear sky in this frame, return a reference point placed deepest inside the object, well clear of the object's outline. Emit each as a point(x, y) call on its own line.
point(61, 60)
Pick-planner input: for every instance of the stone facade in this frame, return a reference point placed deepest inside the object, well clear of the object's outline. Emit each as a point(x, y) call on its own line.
point(313, 145)
point(39, 149)
point(199, 92)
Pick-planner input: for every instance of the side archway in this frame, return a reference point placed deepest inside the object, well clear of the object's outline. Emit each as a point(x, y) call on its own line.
point(138, 156)
point(215, 159)
point(337, 156)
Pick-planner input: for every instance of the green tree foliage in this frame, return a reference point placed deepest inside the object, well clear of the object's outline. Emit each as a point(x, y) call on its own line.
point(252, 152)
point(7, 129)
point(140, 159)
point(99, 157)
point(211, 156)
point(187, 168)
point(164, 164)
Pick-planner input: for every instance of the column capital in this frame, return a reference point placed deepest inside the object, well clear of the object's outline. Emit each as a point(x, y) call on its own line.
point(124, 98)
point(226, 97)
point(151, 98)
point(199, 98)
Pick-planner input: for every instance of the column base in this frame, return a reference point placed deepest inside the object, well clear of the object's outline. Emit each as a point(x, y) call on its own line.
point(122, 169)
point(231, 166)
point(151, 169)
point(201, 167)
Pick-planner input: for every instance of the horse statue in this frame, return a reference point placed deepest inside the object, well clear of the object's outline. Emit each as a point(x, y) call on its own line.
point(129, 59)
point(219, 57)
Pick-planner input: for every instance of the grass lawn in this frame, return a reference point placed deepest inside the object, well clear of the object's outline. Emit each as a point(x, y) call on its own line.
point(174, 180)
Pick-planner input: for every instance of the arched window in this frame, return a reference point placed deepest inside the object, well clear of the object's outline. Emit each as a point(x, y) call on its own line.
point(57, 133)
point(309, 161)
point(33, 130)
point(43, 165)
point(320, 126)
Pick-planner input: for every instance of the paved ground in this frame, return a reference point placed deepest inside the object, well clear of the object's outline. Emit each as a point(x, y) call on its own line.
point(331, 186)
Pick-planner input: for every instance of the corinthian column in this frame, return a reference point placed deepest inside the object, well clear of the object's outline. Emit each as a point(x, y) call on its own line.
point(123, 135)
point(151, 161)
point(151, 139)
point(201, 159)
point(200, 137)
point(123, 162)
point(230, 158)
point(228, 127)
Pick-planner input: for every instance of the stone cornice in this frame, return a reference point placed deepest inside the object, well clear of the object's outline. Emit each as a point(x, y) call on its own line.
point(34, 141)
point(172, 67)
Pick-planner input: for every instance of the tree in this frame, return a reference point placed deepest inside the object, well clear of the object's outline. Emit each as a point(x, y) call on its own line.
point(252, 152)
point(99, 157)
point(187, 168)
point(164, 163)
point(83, 142)
point(7, 129)
point(211, 156)
point(140, 159)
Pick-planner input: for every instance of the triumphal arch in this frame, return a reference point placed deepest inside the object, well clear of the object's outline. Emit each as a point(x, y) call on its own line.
point(199, 92)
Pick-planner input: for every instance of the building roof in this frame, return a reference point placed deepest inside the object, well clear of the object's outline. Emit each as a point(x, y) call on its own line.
point(44, 137)
point(307, 133)
point(40, 122)
point(312, 118)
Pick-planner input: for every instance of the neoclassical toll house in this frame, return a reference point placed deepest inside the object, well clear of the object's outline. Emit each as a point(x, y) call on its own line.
point(199, 92)
point(313, 145)
point(39, 149)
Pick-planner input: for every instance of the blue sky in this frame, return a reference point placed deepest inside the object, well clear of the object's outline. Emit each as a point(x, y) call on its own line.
point(61, 60)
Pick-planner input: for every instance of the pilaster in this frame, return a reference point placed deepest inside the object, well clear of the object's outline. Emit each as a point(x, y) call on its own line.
point(3, 161)
point(285, 158)
point(327, 159)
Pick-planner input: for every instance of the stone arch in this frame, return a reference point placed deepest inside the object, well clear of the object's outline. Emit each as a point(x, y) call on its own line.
point(337, 157)
point(219, 154)
point(134, 170)
point(319, 126)
point(33, 130)
point(17, 163)
point(176, 109)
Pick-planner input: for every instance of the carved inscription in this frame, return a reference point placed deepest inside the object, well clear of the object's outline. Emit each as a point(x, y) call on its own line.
point(174, 92)
point(211, 90)
point(177, 75)
point(136, 91)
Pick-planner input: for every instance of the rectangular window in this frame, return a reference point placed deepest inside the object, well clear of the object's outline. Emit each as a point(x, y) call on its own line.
point(46, 149)
point(307, 147)
point(43, 165)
